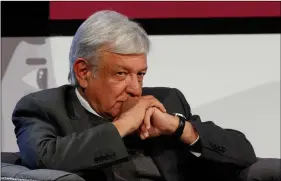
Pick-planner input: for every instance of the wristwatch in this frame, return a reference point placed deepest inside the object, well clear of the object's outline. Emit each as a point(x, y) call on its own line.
point(180, 128)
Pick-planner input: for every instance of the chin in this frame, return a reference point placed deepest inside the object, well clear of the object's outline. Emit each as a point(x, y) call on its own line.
point(115, 113)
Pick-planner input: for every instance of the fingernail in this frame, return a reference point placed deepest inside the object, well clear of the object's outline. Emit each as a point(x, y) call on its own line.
point(146, 134)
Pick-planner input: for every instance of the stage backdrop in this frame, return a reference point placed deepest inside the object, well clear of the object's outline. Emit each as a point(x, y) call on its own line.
point(229, 75)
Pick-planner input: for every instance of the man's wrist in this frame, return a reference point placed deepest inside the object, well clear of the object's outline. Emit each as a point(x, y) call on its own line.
point(189, 134)
point(174, 123)
point(121, 127)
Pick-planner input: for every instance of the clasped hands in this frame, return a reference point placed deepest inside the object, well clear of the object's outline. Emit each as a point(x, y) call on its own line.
point(146, 116)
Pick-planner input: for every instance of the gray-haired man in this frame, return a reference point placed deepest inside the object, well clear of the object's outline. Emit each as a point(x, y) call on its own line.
point(106, 126)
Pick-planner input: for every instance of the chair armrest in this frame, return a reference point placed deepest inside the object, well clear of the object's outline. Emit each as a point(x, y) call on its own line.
point(21, 173)
point(265, 169)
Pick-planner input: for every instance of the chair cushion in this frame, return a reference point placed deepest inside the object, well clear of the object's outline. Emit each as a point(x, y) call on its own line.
point(265, 169)
point(12, 172)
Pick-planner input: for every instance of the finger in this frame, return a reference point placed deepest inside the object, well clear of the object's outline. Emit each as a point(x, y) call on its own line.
point(147, 117)
point(155, 103)
point(143, 128)
point(144, 132)
point(143, 136)
point(141, 132)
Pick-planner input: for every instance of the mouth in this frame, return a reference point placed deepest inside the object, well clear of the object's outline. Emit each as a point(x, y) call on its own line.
point(118, 104)
point(123, 100)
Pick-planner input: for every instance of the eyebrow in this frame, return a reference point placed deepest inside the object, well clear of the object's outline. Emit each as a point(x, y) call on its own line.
point(145, 69)
point(123, 67)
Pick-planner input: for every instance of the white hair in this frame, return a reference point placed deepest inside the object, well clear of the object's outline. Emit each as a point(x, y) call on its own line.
point(106, 28)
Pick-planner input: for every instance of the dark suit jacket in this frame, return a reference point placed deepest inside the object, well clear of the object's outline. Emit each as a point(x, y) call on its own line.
point(54, 131)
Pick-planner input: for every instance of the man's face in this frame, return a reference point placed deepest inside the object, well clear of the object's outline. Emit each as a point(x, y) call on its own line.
point(118, 78)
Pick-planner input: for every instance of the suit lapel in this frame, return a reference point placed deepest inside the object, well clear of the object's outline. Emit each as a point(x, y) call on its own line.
point(79, 117)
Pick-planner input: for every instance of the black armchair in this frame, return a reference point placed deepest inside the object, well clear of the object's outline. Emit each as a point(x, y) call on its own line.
point(265, 169)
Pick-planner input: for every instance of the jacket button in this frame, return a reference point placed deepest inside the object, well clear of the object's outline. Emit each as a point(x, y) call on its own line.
point(112, 156)
point(102, 158)
point(97, 159)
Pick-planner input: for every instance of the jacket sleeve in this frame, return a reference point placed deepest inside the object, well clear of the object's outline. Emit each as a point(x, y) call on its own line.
point(41, 145)
point(217, 144)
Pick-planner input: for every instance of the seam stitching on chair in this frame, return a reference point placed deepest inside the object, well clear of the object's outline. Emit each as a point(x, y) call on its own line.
point(17, 179)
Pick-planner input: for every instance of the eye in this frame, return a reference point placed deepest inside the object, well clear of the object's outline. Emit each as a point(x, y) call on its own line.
point(141, 74)
point(121, 73)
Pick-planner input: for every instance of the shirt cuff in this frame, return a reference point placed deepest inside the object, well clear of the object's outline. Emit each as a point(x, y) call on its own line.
point(195, 141)
point(197, 154)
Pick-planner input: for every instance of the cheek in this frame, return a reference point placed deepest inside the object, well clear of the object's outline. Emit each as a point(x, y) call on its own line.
point(117, 88)
point(113, 91)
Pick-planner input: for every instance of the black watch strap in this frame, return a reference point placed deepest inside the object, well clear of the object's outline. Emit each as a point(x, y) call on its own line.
point(180, 128)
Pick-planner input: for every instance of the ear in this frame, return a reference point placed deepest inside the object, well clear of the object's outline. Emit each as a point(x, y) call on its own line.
point(82, 72)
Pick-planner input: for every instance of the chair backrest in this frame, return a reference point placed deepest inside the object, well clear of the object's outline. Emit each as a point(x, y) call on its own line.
point(10, 157)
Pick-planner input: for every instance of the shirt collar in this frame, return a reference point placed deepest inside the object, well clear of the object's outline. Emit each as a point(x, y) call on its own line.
point(85, 104)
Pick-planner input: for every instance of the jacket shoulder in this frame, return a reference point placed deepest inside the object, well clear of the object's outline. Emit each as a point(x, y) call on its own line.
point(160, 92)
point(53, 96)
point(156, 90)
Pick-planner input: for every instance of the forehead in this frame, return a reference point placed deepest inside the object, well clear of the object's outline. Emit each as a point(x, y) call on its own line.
point(132, 61)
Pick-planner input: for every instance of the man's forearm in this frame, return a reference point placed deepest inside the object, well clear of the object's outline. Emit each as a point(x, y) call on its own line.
point(224, 145)
point(121, 128)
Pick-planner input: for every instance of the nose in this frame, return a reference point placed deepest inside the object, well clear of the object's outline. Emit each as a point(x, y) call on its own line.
point(134, 87)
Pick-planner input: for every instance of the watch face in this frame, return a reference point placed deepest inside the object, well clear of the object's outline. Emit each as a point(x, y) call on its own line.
point(179, 115)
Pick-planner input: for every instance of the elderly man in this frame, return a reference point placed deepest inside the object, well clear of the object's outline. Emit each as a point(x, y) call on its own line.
point(106, 126)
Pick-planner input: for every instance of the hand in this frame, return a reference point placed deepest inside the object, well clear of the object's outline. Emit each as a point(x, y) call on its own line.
point(133, 112)
point(157, 123)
